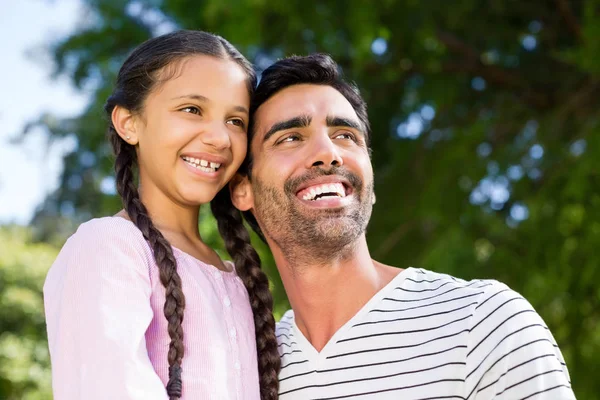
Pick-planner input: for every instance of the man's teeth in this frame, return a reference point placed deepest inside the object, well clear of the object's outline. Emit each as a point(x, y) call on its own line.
point(325, 191)
point(202, 165)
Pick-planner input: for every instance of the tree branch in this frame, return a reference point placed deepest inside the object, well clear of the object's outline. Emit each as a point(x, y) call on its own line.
point(393, 239)
point(471, 63)
point(565, 10)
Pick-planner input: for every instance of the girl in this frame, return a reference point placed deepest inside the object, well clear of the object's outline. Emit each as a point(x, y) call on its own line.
point(116, 295)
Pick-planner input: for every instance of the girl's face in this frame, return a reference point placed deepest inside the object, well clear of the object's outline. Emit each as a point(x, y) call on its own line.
point(191, 133)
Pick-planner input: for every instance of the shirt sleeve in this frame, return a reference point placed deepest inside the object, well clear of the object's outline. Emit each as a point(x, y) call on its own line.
point(97, 304)
point(511, 352)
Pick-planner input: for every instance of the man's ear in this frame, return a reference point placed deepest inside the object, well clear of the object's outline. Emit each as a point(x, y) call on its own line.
point(240, 190)
point(125, 124)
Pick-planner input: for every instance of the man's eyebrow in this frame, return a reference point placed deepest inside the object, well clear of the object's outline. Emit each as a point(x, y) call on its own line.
point(333, 121)
point(204, 99)
point(301, 121)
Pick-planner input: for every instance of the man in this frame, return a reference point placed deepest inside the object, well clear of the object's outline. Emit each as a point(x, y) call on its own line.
point(360, 328)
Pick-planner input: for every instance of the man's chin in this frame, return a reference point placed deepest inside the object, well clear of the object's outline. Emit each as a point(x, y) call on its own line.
point(322, 214)
point(336, 231)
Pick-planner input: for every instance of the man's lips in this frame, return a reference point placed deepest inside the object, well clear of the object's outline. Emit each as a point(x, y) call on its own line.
point(325, 192)
point(320, 183)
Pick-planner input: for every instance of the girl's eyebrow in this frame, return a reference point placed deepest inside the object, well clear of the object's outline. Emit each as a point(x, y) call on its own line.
point(198, 97)
point(205, 99)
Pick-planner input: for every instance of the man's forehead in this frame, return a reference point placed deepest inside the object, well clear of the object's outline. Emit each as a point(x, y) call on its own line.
point(315, 101)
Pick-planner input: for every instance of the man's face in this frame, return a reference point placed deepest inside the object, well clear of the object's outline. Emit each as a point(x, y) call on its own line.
point(312, 179)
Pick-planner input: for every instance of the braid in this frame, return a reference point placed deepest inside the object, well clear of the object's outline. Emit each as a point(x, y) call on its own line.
point(247, 263)
point(126, 159)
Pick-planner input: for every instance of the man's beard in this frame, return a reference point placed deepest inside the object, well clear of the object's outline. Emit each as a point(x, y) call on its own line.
point(318, 235)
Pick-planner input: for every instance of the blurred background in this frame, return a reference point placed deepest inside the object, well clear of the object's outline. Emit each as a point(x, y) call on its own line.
point(486, 120)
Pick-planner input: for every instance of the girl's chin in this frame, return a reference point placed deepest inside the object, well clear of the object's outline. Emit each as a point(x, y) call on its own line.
point(201, 194)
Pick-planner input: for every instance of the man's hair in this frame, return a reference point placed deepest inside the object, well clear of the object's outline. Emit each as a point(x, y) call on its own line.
point(314, 69)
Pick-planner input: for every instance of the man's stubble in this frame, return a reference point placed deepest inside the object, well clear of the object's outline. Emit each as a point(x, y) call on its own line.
point(315, 238)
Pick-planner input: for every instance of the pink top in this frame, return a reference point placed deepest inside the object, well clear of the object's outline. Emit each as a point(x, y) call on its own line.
point(106, 329)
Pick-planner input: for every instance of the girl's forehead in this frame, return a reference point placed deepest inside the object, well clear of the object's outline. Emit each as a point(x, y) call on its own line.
point(203, 76)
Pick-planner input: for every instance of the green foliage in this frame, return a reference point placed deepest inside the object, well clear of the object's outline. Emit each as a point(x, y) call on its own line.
point(24, 358)
point(486, 131)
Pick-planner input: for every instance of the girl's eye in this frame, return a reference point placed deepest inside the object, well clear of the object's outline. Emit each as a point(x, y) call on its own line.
point(191, 110)
point(237, 122)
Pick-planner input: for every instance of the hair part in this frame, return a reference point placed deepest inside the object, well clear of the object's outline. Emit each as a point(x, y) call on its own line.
point(150, 64)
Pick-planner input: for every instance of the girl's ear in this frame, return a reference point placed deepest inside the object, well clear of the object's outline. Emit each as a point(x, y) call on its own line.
point(240, 190)
point(125, 124)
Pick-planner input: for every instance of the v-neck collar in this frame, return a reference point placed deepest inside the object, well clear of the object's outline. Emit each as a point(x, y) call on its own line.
point(315, 356)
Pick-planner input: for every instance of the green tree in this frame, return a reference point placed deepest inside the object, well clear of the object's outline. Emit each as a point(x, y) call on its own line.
point(24, 358)
point(485, 117)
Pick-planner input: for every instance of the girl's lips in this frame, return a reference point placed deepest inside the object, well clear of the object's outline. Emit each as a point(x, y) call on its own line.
point(206, 156)
point(202, 173)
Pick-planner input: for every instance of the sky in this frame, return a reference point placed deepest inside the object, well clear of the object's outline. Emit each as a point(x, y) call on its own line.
point(30, 170)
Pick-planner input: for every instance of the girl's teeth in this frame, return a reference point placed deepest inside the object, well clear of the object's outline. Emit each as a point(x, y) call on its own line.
point(202, 164)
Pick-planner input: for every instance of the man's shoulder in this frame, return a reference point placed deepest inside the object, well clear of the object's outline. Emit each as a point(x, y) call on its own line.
point(486, 295)
point(493, 304)
point(417, 284)
point(501, 308)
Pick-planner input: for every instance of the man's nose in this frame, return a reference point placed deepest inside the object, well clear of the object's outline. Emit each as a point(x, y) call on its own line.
point(323, 152)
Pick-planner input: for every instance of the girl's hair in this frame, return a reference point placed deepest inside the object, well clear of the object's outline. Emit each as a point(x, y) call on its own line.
point(141, 72)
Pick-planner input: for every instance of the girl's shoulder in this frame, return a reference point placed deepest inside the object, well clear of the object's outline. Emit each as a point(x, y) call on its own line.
point(110, 250)
point(108, 236)
point(108, 228)
point(109, 224)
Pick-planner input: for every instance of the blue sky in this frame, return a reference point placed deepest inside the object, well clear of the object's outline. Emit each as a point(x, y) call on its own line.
point(30, 170)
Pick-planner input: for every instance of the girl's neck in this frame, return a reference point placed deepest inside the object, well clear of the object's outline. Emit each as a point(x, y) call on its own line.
point(170, 217)
point(179, 225)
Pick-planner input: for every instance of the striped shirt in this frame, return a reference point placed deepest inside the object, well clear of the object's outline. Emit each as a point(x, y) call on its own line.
point(429, 336)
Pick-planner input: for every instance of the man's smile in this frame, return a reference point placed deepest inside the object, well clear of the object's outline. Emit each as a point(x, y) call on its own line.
point(330, 191)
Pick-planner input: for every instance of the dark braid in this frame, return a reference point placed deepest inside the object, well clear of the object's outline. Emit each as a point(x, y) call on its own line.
point(247, 263)
point(125, 162)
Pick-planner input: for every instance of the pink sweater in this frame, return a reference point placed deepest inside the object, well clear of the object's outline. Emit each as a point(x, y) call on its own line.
point(106, 329)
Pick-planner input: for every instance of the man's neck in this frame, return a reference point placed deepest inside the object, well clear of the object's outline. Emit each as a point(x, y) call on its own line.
point(326, 295)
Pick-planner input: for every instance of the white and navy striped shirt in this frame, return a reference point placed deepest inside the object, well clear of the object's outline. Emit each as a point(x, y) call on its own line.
point(429, 336)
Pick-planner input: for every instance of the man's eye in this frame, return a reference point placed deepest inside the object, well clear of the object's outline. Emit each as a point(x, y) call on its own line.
point(237, 122)
point(191, 110)
point(346, 136)
point(289, 139)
